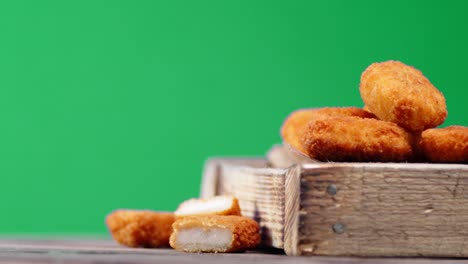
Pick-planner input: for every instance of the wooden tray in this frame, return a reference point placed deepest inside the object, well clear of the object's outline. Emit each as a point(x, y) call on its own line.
point(349, 209)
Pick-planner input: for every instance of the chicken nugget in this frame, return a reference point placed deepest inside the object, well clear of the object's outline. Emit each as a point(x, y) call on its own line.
point(216, 233)
point(134, 228)
point(218, 205)
point(445, 145)
point(294, 125)
point(401, 94)
point(354, 138)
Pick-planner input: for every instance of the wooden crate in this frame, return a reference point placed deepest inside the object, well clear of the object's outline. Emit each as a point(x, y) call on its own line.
point(350, 209)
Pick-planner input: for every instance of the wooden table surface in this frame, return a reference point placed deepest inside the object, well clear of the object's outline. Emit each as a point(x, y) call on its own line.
point(80, 251)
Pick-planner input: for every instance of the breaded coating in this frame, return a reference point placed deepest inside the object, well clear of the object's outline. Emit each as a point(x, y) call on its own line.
point(135, 228)
point(357, 139)
point(445, 145)
point(216, 233)
point(295, 124)
point(218, 205)
point(401, 94)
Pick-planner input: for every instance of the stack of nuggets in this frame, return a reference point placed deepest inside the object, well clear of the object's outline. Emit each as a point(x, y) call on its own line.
point(397, 123)
point(198, 225)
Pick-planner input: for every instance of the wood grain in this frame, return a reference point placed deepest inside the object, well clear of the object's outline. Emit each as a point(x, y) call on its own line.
point(79, 250)
point(292, 210)
point(384, 209)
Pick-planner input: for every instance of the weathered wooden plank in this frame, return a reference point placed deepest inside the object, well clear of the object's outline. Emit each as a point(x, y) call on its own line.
point(292, 211)
point(105, 251)
point(384, 210)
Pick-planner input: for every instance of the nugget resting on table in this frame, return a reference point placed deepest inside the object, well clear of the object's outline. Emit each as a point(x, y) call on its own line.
point(357, 139)
point(218, 205)
point(134, 228)
point(216, 233)
point(448, 144)
point(401, 94)
point(295, 124)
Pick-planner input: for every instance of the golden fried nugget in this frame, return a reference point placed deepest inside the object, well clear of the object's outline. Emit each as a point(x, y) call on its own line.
point(401, 94)
point(135, 228)
point(294, 125)
point(445, 145)
point(218, 205)
point(216, 233)
point(354, 138)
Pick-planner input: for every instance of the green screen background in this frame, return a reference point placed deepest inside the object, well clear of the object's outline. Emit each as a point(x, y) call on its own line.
point(117, 104)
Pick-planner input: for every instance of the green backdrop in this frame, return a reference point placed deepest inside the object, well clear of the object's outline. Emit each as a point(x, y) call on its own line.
point(117, 104)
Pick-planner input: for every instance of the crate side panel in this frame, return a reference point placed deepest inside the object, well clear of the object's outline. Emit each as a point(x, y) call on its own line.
point(366, 210)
